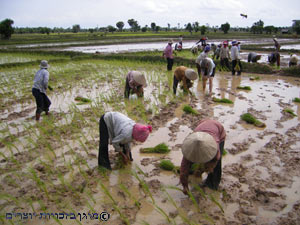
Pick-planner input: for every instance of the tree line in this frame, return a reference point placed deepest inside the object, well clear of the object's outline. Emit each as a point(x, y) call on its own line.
point(6, 28)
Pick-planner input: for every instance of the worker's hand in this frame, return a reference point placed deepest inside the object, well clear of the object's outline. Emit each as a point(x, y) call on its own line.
point(185, 190)
point(126, 158)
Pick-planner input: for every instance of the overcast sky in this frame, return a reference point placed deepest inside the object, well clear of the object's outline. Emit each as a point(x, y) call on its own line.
point(101, 13)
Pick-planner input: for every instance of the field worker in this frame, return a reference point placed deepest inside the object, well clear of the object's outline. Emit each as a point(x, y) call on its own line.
point(276, 44)
point(293, 60)
point(208, 70)
point(205, 147)
point(217, 53)
point(180, 39)
point(135, 83)
point(168, 54)
point(202, 56)
point(235, 56)
point(274, 57)
point(185, 75)
point(40, 85)
point(224, 55)
point(203, 42)
point(119, 130)
point(195, 49)
point(253, 57)
point(213, 49)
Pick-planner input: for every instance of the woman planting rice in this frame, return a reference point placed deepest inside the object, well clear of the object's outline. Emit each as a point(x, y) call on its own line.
point(135, 83)
point(119, 130)
point(185, 75)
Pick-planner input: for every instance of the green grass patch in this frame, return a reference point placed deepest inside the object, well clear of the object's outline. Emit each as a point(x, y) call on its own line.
point(296, 100)
point(166, 164)
point(222, 100)
point(160, 148)
point(249, 118)
point(290, 111)
point(190, 110)
point(247, 88)
point(254, 78)
point(82, 100)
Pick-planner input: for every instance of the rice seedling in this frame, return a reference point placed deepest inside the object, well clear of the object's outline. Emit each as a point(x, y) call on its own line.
point(136, 202)
point(166, 165)
point(296, 100)
point(190, 110)
point(290, 111)
point(160, 148)
point(249, 118)
point(222, 100)
point(254, 78)
point(247, 88)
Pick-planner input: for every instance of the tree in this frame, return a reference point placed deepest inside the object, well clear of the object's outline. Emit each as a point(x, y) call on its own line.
point(296, 26)
point(111, 29)
point(120, 25)
point(144, 29)
point(203, 29)
point(269, 29)
point(76, 28)
point(133, 24)
point(196, 27)
point(6, 29)
point(189, 27)
point(153, 25)
point(258, 27)
point(91, 30)
point(157, 28)
point(225, 27)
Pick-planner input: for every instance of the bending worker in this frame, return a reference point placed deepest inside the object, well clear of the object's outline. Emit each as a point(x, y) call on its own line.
point(208, 69)
point(119, 130)
point(205, 147)
point(253, 57)
point(185, 75)
point(135, 83)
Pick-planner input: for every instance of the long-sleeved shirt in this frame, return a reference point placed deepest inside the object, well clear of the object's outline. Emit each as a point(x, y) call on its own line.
point(202, 56)
point(235, 54)
point(168, 52)
point(252, 57)
point(41, 79)
point(119, 129)
point(212, 127)
point(211, 66)
point(294, 59)
point(224, 53)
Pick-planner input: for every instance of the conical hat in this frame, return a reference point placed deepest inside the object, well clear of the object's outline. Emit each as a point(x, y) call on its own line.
point(199, 147)
point(139, 78)
point(191, 74)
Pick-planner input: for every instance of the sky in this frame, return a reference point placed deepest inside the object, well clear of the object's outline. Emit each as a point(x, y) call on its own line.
point(101, 13)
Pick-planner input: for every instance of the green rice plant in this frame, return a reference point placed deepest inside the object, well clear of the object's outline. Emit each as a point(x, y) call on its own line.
point(249, 118)
point(136, 202)
point(290, 111)
point(212, 198)
point(41, 184)
point(160, 148)
point(222, 100)
point(166, 164)
point(190, 110)
point(248, 88)
point(296, 100)
point(162, 212)
point(224, 152)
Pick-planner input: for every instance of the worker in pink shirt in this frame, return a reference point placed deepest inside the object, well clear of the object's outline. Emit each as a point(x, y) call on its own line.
point(168, 54)
point(205, 147)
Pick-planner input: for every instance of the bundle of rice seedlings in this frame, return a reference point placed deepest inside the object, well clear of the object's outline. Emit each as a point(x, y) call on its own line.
point(222, 100)
point(166, 164)
point(189, 109)
point(160, 148)
point(296, 100)
point(82, 99)
point(290, 111)
point(248, 88)
point(255, 78)
point(249, 118)
point(50, 87)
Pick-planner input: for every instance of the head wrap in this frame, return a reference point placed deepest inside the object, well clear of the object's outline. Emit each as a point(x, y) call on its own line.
point(141, 132)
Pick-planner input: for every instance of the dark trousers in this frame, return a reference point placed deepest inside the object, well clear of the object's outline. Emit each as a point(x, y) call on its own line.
point(225, 62)
point(42, 101)
point(198, 69)
point(213, 179)
point(234, 62)
point(103, 159)
point(127, 89)
point(170, 63)
point(175, 84)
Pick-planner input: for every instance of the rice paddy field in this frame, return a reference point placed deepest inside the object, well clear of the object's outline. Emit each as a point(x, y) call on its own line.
point(49, 169)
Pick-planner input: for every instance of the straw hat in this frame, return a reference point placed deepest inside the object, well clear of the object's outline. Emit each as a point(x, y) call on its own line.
point(170, 41)
point(191, 74)
point(44, 64)
point(199, 147)
point(139, 78)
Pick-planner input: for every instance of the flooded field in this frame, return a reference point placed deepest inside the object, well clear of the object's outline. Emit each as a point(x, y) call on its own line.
point(51, 166)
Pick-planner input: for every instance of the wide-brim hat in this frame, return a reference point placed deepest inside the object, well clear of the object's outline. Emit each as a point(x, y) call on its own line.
point(234, 42)
point(44, 64)
point(199, 147)
point(139, 78)
point(191, 74)
point(170, 41)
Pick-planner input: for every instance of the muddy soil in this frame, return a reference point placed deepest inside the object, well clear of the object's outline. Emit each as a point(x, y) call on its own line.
point(260, 181)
